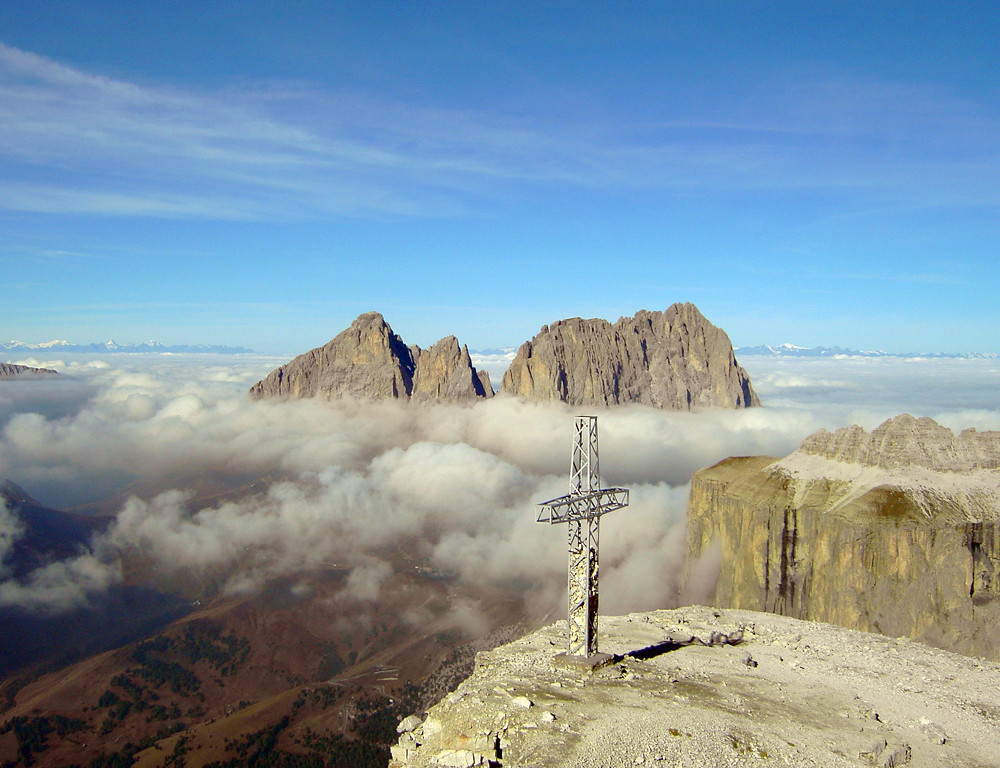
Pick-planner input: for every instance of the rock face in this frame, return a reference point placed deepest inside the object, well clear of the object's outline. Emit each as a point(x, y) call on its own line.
point(779, 692)
point(369, 361)
point(12, 371)
point(908, 442)
point(443, 373)
point(674, 359)
point(895, 531)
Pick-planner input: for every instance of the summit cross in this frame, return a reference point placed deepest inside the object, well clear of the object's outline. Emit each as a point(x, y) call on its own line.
point(582, 509)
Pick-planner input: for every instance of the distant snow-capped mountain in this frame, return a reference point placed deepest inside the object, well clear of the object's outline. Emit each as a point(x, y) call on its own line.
point(60, 345)
point(791, 350)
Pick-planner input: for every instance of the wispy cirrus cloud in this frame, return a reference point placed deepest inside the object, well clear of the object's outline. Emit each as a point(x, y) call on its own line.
point(83, 143)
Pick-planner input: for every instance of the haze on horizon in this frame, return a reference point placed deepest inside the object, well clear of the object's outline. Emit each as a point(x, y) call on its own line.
point(253, 175)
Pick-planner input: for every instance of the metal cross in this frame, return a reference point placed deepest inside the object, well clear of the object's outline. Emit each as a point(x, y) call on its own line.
point(582, 508)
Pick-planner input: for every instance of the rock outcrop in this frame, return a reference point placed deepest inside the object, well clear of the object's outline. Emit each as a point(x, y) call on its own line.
point(907, 442)
point(674, 359)
point(369, 361)
point(895, 531)
point(443, 373)
point(788, 692)
point(13, 371)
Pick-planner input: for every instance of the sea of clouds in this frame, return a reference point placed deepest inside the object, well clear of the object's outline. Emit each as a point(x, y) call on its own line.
point(455, 487)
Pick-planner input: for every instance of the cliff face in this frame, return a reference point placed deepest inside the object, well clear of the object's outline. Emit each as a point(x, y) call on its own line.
point(674, 359)
point(369, 361)
point(896, 531)
point(445, 372)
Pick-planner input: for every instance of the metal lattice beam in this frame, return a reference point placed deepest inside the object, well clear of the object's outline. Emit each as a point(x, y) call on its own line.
point(582, 509)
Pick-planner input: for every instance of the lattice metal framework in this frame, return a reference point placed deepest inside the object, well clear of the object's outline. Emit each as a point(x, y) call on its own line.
point(582, 509)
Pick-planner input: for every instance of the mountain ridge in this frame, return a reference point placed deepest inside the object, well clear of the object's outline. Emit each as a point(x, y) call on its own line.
point(368, 360)
point(112, 347)
point(15, 371)
point(859, 528)
point(675, 359)
point(697, 686)
point(792, 350)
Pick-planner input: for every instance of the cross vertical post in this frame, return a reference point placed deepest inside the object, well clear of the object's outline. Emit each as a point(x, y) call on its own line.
point(582, 509)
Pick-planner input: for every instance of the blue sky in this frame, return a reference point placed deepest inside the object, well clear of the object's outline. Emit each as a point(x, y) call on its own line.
point(258, 174)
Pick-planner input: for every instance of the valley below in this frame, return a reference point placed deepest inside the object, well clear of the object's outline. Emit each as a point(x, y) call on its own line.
point(297, 673)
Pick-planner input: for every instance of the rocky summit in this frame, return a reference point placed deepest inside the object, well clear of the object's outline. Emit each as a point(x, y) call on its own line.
point(674, 359)
point(369, 361)
point(14, 371)
point(443, 373)
point(906, 441)
point(701, 687)
point(894, 531)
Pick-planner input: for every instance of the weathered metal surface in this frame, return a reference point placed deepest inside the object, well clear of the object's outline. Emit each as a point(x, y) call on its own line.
point(582, 509)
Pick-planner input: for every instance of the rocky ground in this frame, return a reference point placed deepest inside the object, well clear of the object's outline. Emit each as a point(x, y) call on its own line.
point(697, 686)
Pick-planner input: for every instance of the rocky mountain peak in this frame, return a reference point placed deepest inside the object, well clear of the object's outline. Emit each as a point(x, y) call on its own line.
point(369, 361)
point(14, 495)
point(905, 441)
point(896, 530)
point(445, 372)
point(13, 371)
point(675, 359)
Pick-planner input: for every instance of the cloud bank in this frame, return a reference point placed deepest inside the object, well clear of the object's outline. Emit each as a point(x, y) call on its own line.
point(11, 529)
point(452, 488)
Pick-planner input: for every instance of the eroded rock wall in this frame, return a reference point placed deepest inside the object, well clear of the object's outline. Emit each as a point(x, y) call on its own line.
point(369, 361)
point(13, 371)
point(445, 372)
point(863, 551)
point(675, 360)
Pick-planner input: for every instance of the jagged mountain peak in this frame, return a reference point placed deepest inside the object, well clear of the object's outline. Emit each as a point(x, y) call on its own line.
point(369, 361)
point(907, 441)
point(674, 359)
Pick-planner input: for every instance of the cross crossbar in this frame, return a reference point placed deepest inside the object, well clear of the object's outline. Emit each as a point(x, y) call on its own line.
point(583, 506)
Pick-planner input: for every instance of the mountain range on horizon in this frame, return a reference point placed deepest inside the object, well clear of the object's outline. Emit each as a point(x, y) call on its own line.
point(791, 350)
point(763, 350)
point(59, 345)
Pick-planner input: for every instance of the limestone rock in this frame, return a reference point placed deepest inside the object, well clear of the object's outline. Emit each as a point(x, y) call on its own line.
point(13, 371)
point(895, 531)
point(409, 724)
point(810, 700)
point(445, 372)
point(674, 359)
point(908, 442)
point(369, 361)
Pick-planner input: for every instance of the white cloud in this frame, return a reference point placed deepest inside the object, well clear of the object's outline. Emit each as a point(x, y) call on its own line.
point(60, 586)
point(453, 487)
point(365, 579)
point(11, 529)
